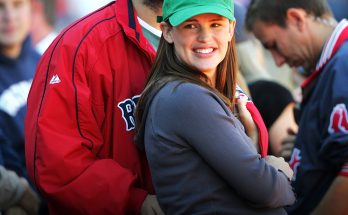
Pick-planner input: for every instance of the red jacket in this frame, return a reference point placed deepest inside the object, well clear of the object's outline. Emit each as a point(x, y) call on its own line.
point(79, 126)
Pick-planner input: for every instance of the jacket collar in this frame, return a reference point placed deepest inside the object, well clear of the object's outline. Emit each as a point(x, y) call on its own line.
point(127, 18)
point(338, 36)
point(332, 44)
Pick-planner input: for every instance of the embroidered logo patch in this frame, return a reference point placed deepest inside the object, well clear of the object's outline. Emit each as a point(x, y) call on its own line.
point(128, 109)
point(55, 79)
point(338, 119)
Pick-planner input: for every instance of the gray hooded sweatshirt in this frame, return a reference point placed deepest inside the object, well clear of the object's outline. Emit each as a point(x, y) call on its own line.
point(201, 160)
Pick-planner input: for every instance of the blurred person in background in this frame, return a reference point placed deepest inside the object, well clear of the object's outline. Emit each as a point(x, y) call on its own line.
point(18, 60)
point(276, 105)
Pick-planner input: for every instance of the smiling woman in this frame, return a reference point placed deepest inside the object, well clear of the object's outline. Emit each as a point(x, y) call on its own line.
point(200, 157)
point(201, 42)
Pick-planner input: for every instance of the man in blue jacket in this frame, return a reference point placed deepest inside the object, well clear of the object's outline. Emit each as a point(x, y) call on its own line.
point(304, 33)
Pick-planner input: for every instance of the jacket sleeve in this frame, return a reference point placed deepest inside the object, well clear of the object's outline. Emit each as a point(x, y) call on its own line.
point(335, 115)
point(64, 137)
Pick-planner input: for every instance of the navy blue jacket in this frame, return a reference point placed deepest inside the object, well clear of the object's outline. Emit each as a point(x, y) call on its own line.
point(321, 147)
point(15, 80)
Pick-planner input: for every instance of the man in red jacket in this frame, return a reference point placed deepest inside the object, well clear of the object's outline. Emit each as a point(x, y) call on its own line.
point(80, 124)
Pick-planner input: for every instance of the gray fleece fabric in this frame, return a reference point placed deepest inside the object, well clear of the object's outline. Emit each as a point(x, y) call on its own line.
point(201, 160)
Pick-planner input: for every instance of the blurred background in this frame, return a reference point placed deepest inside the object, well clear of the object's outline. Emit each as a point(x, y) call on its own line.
point(67, 11)
point(61, 13)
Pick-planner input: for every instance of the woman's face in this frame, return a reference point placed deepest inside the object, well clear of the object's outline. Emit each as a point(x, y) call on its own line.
point(201, 41)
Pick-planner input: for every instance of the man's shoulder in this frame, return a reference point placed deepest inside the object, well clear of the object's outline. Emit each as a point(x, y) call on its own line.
point(342, 52)
point(338, 64)
point(97, 26)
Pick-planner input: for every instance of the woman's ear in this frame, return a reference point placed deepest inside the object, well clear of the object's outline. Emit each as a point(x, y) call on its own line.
point(167, 32)
point(232, 26)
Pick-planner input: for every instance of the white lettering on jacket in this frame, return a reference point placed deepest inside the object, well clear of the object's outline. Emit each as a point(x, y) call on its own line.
point(14, 98)
point(127, 107)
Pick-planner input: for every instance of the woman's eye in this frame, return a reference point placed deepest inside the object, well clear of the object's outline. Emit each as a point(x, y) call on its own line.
point(190, 26)
point(215, 25)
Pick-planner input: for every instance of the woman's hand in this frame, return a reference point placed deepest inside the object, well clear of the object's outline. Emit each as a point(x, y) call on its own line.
point(280, 164)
